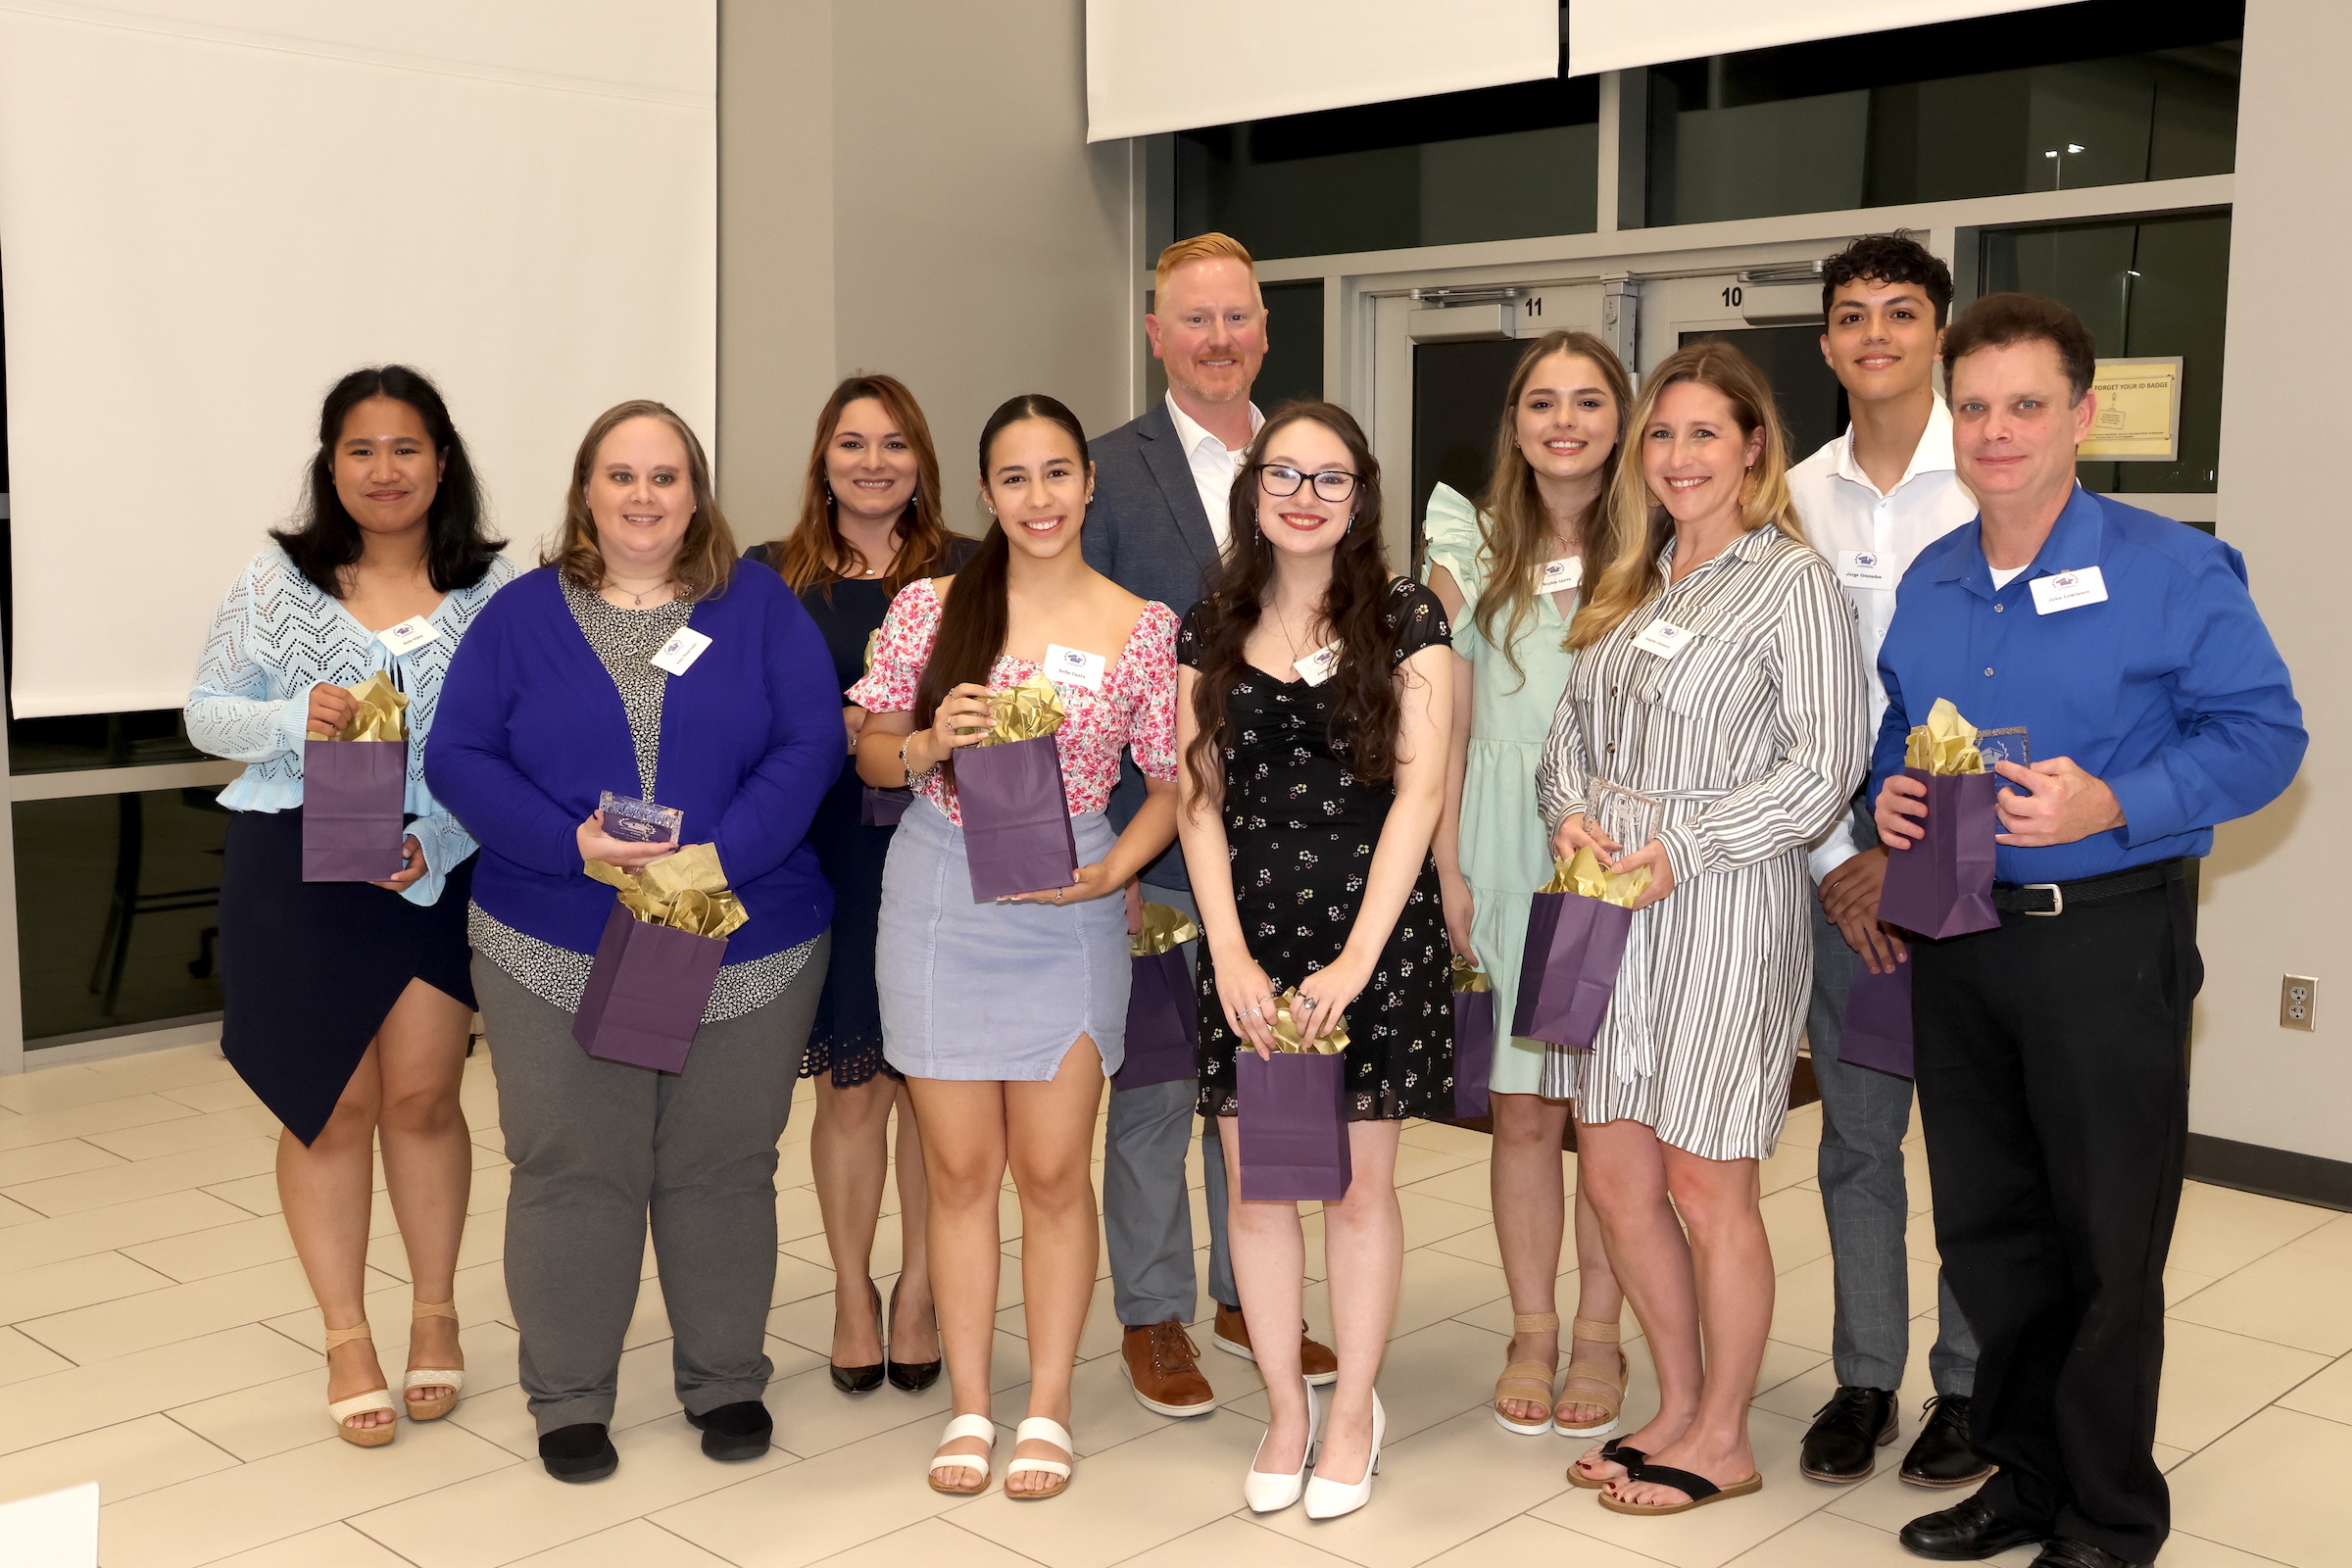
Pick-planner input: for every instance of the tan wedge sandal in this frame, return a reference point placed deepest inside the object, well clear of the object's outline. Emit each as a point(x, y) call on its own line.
point(447, 1382)
point(1530, 1381)
point(1589, 1383)
point(341, 1411)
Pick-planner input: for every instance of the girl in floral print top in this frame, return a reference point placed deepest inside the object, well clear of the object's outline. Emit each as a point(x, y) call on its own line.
point(1006, 1016)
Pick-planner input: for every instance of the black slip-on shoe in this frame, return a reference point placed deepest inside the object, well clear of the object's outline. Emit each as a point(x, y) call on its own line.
point(1843, 1443)
point(734, 1432)
point(1941, 1455)
point(579, 1453)
point(1967, 1532)
point(2064, 1554)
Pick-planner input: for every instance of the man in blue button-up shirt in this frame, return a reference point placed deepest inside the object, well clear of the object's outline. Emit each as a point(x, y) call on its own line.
point(2051, 1049)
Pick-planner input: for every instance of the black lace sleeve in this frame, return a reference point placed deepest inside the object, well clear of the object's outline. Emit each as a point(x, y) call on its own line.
point(1416, 620)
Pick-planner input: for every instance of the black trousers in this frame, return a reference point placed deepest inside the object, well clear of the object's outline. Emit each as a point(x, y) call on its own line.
point(2053, 1089)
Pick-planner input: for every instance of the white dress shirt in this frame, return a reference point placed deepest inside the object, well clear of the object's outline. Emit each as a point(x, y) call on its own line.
point(1848, 520)
point(1213, 465)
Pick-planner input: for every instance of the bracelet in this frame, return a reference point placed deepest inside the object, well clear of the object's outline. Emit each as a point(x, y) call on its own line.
point(906, 766)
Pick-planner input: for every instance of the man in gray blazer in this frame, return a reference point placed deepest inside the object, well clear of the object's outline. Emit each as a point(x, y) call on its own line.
point(1157, 528)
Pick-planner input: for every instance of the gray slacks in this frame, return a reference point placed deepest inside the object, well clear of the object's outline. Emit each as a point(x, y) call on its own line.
point(1146, 1209)
point(1865, 1116)
point(600, 1146)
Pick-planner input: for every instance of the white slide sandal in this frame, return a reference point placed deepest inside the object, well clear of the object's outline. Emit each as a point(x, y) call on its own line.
point(1041, 1428)
point(966, 1426)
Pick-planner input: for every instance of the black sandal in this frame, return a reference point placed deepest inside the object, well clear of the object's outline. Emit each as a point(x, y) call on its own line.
point(1696, 1490)
point(912, 1376)
point(862, 1379)
point(1613, 1451)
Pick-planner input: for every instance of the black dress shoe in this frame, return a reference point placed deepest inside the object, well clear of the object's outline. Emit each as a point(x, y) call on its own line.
point(1941, 1455)
point(862, 1379)
point(1967, 1532)
point(738, 1430)
point(581, 1452)
point(2063, 1553)
point(1846, 1433)
point(912, 1376)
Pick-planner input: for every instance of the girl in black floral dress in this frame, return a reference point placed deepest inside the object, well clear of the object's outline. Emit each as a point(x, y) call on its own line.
point(1313, 716)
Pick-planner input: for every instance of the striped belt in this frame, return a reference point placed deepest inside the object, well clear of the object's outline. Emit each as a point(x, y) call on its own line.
point(2052, 897)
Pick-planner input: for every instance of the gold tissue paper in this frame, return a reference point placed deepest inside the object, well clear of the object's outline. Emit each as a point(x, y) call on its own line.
point(1468, 977)
point(382, 712)
point(1945, 743)
point(1164, 928)
point(1583, 877)
point(1028, 712)
point(686, 891)
point(1287, 1040)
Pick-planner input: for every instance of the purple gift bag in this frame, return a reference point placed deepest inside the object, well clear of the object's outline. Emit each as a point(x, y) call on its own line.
point(1163, 1023)
point(1294, 1126)
point(1016, 822)
point(1568, 972)
point(646, 993)
point(353, 827)
point(1472, 1045)
point(1941, 886)
point(878, 808)
point(1877, 1032)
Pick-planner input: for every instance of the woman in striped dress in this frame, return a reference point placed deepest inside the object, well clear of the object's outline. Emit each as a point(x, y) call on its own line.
point(1712, 727)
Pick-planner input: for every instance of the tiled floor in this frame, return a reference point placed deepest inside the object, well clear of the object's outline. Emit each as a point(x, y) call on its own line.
point(160, 1339)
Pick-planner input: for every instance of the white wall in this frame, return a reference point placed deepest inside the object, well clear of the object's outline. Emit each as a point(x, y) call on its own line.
point(905, 187)
point(2274, 891)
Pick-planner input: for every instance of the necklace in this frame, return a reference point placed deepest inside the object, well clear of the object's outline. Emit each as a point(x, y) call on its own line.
point(636, 598)
point(1283, 624)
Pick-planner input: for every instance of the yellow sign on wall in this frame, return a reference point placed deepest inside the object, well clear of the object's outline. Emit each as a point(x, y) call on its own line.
point(2138, 418)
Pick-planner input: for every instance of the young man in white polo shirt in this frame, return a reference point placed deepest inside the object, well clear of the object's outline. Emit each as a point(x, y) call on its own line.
point(1870, 501)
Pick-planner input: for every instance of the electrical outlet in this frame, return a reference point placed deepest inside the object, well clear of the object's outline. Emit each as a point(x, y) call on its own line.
point(2298, 1001)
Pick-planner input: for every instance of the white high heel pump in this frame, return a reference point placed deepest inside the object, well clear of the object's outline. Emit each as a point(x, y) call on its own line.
point(1327, 1498)
point(1272, 1492)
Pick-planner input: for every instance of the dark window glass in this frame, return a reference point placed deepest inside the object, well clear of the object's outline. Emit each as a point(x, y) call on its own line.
point(1457, 407)
point(1499, 163)
point(99, 740)
point(118, 911)
point(2028, 101)
point(2157, 286)
point(1294, 366)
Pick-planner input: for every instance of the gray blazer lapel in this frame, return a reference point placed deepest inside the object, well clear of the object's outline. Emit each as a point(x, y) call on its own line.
point(1165, 456)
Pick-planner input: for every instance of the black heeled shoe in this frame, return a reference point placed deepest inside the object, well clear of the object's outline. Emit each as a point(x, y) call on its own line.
point(912, 1376)
point(862, 1379)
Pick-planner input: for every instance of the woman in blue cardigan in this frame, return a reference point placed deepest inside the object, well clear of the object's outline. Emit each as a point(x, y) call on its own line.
point(555, 698)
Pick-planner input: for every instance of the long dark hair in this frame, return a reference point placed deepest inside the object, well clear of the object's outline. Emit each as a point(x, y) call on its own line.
point(458, 547)
point(973, 622)
point(814, 552)
point(1364, 709)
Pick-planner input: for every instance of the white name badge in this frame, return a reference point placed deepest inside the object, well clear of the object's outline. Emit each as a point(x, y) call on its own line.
point(1316, 668)
point(409, 636)
point(2067, 590)
point(685, 646)
point(1663, 638)
point(1559, 575)
point(1867, 569)
point(1073, 666)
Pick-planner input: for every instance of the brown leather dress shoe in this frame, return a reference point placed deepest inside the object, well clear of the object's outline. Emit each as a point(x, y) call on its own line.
point(1316, 1360)
point(1162, 1364)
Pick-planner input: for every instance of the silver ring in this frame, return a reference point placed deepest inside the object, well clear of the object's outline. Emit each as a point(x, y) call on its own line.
point(1253, 1012)
point(1307, 1003)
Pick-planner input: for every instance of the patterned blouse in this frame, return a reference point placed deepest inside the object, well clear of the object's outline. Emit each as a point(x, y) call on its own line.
point(626, 642)
point(1136, 708)
point(273, 638)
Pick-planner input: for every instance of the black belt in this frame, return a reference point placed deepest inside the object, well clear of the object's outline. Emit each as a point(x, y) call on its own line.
point(2052, 897)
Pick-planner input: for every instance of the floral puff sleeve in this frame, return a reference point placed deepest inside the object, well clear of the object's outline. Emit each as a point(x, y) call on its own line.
point(901, 650)
point(1150, 663)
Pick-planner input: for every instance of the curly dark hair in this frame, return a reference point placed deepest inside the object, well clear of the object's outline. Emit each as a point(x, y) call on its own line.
point(1365, 712)
point(1891, 259)
point(325, 539)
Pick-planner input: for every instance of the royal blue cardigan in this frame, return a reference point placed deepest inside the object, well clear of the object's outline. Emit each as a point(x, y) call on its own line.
point(530, 729)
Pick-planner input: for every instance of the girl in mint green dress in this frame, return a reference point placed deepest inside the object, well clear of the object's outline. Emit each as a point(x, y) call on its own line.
point(1509, 572)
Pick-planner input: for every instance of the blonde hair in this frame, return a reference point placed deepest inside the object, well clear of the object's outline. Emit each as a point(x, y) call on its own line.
point(705, 562)
point(1201, 248)
point(1639, 521)
point(1514, 528)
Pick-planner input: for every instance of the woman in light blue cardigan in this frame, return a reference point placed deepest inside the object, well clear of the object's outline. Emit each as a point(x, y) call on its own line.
point(346, 1005)
point(557, 698)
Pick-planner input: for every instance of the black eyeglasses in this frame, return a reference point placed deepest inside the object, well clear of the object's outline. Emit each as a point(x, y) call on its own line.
point(1331, 484)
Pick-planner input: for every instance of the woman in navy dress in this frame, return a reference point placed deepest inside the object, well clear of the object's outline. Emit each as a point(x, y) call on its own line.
point(871, 523)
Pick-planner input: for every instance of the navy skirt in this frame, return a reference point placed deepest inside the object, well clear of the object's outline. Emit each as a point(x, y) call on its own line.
point(308, 971)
